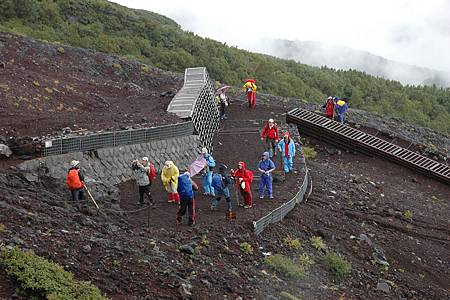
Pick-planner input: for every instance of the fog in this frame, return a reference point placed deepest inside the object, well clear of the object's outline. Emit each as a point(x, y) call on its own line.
point(414, 32)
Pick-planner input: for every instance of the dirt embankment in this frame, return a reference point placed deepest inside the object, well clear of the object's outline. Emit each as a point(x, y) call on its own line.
point(45, 88)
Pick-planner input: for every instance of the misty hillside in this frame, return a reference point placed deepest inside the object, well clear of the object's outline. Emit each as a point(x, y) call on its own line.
point(320, 54)
point(159, 41)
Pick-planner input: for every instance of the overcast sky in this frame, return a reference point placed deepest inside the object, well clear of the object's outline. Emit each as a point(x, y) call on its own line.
point(416, 32)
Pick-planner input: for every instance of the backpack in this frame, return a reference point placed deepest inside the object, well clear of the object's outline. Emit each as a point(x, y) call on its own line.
point(185, 187)
point(217, 183)
point(73, 180)
point(249, 175)
point(151, 173)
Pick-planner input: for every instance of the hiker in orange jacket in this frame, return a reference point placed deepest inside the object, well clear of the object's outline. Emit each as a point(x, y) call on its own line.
point(250, 89)
point(271, 135)
point(75, 181)
point(244, 180)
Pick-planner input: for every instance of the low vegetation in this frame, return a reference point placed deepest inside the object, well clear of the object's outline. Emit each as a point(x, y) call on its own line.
point(337, 264)
point(309, 152)
point(159, 41)
point(292, 243)
point(42, 279)
point(246, 248)
point(317, 243)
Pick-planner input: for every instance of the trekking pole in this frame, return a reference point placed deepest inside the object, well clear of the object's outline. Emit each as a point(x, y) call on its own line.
point(90, 195)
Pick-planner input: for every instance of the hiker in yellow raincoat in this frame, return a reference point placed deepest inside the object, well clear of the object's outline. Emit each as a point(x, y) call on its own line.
point(250, 89)
point(169, 178)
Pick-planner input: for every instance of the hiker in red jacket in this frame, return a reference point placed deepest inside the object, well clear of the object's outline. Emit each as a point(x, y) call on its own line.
point(271, 135)
point(329, 108)
point(244, 180)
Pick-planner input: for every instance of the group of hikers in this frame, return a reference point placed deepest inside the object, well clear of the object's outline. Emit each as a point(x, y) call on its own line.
point(336, 107)
point(180, 186)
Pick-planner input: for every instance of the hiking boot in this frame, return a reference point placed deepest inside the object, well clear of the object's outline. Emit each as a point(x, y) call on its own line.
point(247, 206)
point(213, 207)
point(270, 197)
point(261, 197)
point(171, 201)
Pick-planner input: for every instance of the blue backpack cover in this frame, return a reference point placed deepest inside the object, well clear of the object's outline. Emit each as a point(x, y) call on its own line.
point(217, 182)
point(185, 187)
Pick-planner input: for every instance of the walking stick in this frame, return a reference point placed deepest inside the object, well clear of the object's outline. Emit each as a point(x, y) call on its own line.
point(92, 198)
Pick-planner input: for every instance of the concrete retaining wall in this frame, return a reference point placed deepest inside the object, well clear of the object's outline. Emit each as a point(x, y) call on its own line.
point(107, 167)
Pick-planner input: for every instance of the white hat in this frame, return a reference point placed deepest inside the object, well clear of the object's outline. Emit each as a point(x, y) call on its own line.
point(168, 163)
point(74, 163)
point(271, 120)
point(204, 150)
point(145, 158)
point(222, 96)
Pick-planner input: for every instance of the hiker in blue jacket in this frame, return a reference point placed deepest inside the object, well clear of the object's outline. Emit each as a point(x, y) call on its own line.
point(287, 148)
point(186, 188)
point(266, 167)
point(220, 182)
point(208, 190)
point(341, 108)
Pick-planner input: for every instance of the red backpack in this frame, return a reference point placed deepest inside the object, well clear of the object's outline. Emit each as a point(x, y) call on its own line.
point(152, 172)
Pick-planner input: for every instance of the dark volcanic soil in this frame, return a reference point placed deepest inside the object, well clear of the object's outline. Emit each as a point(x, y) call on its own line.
point(45, 87)
point(359, 204)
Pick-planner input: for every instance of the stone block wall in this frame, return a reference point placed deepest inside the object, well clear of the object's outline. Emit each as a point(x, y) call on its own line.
point(107, 167)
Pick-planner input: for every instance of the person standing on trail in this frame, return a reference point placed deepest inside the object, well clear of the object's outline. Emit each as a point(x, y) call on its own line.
point(329, 108)
point(208, 190)
point(250, 89)
point(244, 180)
point(186, 187)
point(220, 182)
point(271, 135)
point(75, 181)
point(141, 173)
point(341, 108)
point(169, 178)
point(222, 103)
point(287, 148)
point(266, 167)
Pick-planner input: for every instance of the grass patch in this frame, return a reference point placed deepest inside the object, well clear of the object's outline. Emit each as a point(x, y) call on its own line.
point(246, 248)
point(338, 265)
point(284, 265)
point(292, 243)
point(309, 152)
point(408, 215)
point(317, 243)
point(305, 261)
point(42, 279)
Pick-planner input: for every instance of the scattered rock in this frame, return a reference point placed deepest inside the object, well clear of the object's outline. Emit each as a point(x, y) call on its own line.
point(383, 286)
point(188, 249)
point(5, 151)
point(87, 249)
point(185, 291)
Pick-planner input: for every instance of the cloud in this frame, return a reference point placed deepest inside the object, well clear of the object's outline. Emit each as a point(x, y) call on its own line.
point(416, 32)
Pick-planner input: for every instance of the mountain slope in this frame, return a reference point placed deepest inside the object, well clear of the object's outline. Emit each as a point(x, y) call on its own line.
point(154, 39)
point(320, 54)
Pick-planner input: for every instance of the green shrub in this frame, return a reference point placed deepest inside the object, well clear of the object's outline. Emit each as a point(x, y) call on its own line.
point(408, 215)
point(286, 266)
point(292, 243)
point(338, 265)
point(309, 152)
point(305, 261)
point(317, 243)
point(43, 279)
point(246, 248)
